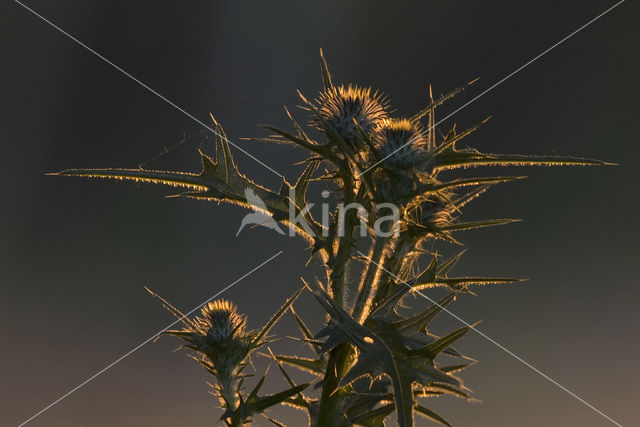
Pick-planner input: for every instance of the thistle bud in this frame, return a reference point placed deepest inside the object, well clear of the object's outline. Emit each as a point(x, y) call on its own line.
point(222, 321)
point(339, 107)
point(401, 143)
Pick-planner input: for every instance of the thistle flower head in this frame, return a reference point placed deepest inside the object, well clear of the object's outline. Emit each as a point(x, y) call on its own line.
point(340, 106)
point(221, 321)
point(401, 143)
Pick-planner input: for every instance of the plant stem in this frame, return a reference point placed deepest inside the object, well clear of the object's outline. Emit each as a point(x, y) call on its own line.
point(345, 240)
point(371, 276)
point(331, 399)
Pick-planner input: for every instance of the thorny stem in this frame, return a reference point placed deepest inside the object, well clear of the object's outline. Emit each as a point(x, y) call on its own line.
point(399, 263)
point(345, 242)
point(371, 276)
point(226, 380)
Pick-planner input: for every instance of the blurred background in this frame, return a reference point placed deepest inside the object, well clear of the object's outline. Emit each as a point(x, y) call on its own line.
point(75, 255)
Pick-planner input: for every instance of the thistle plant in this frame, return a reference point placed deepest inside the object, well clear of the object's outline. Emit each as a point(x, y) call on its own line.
point(371, 359)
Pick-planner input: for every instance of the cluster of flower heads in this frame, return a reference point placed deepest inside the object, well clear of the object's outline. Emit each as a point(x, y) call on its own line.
point(360, 117)
point(394, 151)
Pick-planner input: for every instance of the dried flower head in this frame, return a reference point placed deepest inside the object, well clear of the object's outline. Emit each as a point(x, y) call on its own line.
point(340, 106)
point(402, 141)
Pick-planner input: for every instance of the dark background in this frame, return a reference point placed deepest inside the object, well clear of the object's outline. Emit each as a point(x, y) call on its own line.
point(75, 254)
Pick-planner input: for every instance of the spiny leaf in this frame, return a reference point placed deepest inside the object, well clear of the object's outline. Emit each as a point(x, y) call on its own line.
point(291, 138)
point(376, 358)
point(184, 319)
point(455, 368)
point(447, 389)
point(458, 282)
point(450, 142)
point(440, 100)
point(452, 159)
point(218, 181)
point(419, 322)
point(467, 182)
point(374, 417)
point(288, 378)
point(273, 421)
point(449, 263)
point(298, 402)
point(275, 317)
point(264, 402)
point(461, 226)
point(463, 200)
point(254, 393)
point(313, 366)
point(174, 179)
point(433, 416)
point(300, 189)
point(225, 159)
point(438, 346)
point(430, 272)
point(326, 76)
point(305, 330)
